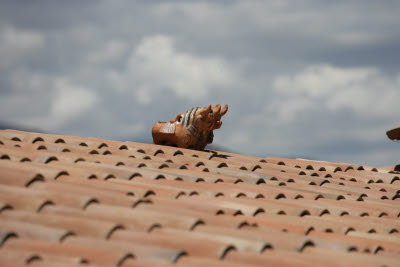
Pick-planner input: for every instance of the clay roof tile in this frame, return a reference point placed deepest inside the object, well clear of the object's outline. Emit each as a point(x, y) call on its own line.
point(67, 200)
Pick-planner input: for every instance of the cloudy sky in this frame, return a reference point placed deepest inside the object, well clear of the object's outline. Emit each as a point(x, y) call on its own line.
point(313, 79)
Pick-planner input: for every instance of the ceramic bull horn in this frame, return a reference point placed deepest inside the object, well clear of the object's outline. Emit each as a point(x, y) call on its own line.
point(193, 129)
point(205, 111)
point(216, 109)
point(224, 110)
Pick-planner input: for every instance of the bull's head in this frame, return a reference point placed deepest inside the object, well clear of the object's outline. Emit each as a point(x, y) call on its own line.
point(204, 120)
point(218, 112)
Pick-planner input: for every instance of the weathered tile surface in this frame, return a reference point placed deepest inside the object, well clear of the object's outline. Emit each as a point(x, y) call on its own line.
point(67, 201)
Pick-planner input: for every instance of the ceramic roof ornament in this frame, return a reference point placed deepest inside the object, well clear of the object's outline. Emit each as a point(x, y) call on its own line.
point(193, 129)
point(394, 134)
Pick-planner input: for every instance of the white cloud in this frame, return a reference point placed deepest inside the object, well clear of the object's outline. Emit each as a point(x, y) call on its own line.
point(15, 44)
point(320, 80)
point(109, 52)
point(345, 23)
point(116, 80)
point(143, 95)
point(71, 100)
point(364, 91)
point(23, 81)
point(156, 65)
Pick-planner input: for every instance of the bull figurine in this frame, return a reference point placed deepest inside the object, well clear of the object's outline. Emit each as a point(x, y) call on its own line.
point(193, 129)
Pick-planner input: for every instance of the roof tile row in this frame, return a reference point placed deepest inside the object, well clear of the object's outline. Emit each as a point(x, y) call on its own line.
point(68, 200)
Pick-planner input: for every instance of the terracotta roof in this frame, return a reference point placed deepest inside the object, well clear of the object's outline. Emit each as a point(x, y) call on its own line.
point(68, 200)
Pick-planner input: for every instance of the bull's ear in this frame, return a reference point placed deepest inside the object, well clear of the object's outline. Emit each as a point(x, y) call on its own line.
point(205, 110)
point(224, 110)
point(179, 116)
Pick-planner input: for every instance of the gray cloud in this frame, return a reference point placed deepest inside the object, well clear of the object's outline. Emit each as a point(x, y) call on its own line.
point(306, 78)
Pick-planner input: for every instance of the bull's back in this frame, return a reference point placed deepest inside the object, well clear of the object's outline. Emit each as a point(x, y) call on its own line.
point(165, 133)
point(157, 127)
point(156, 132)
